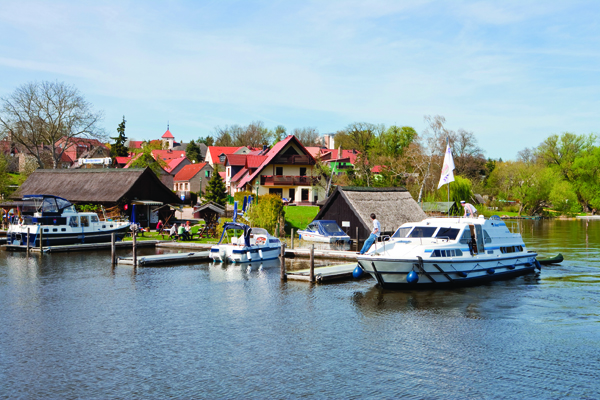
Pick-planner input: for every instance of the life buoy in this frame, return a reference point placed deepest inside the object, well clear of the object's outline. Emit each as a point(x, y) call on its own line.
point(261, 240)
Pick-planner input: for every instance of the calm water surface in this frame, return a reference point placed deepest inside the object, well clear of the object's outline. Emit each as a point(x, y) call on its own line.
point(72, 327)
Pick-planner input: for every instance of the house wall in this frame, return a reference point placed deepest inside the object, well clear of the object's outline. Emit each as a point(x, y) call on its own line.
point(339, 210)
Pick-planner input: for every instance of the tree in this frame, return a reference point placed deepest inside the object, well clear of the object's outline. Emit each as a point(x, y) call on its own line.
point(38, 115)
point(280, 134)
point(253, 135)
point(433, 136)
point(208, 140)
point(144, 158)
point(561, 152)
point(468, 156)
point(118, 148)
point(216, 190)
point(395, 140)
point(193, 152)
point(364, 138)
point(307, 136)
point(224, 136)
point(586, 179)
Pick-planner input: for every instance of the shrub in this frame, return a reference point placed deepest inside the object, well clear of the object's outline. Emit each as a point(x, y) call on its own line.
point(267, 213)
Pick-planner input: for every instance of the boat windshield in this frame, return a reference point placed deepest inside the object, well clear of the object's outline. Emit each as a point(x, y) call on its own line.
point(423, 231)
point(402, 232)
point(332, 228)
point(259, 231)
point(447, 233)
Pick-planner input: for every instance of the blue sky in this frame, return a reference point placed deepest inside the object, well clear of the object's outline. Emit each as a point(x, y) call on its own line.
point(512, 72)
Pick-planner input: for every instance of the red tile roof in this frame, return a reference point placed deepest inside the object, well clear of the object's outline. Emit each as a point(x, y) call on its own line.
point(254, 161)
point(223, 175)
point(122, 160)
point(235, 159)
point(168, 135)
point(239, 175)
point(377, 169)
point(216, 151)
point(173, 163)
point(168, 154)
point(188, 172)
point(135, 144)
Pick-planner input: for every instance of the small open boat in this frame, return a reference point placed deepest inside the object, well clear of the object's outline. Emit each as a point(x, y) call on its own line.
point(324, 231)
point(254, 244)
point(551, 260)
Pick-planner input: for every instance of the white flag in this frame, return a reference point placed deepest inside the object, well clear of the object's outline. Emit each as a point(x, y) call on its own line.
point(447, 168)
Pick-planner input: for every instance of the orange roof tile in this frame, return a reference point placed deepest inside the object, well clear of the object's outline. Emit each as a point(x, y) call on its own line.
point(188, 172)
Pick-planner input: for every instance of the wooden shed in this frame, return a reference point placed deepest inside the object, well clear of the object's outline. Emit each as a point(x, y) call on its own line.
point(137, 188)
point(353, 206)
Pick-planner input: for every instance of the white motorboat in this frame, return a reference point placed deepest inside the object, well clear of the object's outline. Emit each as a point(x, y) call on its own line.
point(324, 231)
point(254, 244)
point(56, 222)
point(446, 252)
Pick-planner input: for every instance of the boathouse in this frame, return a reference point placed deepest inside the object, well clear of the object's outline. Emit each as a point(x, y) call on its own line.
point(351, 207)
point(136, 192)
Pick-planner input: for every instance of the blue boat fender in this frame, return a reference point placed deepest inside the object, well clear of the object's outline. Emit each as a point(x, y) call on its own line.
point(538, 265)
point(412, 277)
point(491, 271)
point(358, 272)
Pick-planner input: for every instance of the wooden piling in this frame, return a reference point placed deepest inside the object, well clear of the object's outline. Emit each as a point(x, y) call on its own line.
point(312, 263)
point(292, 244)
point(27, 240)
point(357, 249)
point(282, 262)
point(113, 249)
point(41, 237)
point(134, 248)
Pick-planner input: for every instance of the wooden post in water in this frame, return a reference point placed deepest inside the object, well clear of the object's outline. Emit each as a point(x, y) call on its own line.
point(27, 240)
point(41, 237)
point(357, 249)
point(134, 248)
point(113, 249)
point(312, 263)
point(282, 261)
point(292, 245)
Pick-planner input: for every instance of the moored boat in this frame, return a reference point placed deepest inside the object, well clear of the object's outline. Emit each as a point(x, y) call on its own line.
point(324, 231)
point(447, 252)
point(56, 222)
point(254, 244)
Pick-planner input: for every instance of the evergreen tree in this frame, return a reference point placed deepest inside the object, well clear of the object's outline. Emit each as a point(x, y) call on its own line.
point(118, 148)
point(193, 152)
point(216, 190)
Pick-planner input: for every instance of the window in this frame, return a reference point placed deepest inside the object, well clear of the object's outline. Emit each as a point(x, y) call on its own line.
point(73, 223)
point(511, 249)
point(302, 171)
point(402, 232)
point(95, 218)
point(54, 229)
point(423, 231)
point(278, 170)
point(292, 195)
point(304, 194)
point(447, 253)
point(447, 233)
point(84, 220)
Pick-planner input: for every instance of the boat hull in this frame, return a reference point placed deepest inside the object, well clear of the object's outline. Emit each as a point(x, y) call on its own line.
point(393, 273)
point(314, 237)
point(19, 236)
point(243, 254)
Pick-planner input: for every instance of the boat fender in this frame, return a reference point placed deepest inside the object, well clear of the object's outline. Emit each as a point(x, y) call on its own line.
point(538, 265)
point(462, 274)
point(412, 277)
point(491, 271)
point(260, 253)
point(358, 272)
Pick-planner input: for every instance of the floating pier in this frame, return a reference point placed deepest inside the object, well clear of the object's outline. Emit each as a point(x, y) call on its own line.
point(328, 254)
point(170, 258)
point(79, 247)
point(323, 274)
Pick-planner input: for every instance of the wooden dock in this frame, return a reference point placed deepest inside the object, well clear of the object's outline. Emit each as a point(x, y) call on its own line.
point(170, 258)
point(80, 247)
point(327, 254)
point(323, 274)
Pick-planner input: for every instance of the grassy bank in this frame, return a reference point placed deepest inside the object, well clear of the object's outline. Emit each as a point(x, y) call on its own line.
point(298, 217)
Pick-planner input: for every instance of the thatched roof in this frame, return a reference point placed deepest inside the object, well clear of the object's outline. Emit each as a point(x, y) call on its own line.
point(106, 185)
point(393, 206)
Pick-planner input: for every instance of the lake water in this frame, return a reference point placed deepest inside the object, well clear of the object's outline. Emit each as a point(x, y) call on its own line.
point(73, 327)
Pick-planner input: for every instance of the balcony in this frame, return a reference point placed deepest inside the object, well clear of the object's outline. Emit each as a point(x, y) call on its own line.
point(285, 180)
point(296, 159)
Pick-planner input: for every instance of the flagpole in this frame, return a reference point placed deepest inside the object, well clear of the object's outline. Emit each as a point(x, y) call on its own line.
point(448, 144)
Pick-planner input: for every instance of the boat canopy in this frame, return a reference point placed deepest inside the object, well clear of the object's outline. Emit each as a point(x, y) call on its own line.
point(237, 226)
point(48, 204)
point(326, 228)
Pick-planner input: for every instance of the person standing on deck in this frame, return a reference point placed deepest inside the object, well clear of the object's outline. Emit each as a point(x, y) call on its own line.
point(470, 211)
point(373, 236)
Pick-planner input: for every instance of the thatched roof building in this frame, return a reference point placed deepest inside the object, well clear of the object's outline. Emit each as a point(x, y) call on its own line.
point(354, 205)
point(108, 187)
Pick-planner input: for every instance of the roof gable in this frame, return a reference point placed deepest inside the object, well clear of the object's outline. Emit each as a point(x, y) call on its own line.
point(188, 172)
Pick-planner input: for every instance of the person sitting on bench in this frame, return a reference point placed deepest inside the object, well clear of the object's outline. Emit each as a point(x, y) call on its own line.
point(173, 232)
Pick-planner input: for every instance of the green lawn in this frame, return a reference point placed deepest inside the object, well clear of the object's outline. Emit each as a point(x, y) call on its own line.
point(298, 217)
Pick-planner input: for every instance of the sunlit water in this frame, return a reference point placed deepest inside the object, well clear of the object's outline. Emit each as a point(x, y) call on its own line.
point(72, 327)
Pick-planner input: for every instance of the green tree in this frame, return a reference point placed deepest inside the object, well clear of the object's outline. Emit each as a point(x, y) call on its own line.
point(193, 152)
point(118, 148)
point(267, 213)
point(364, 137)
point(395, 140)
point(586, 179)
point(560, 152)
point(208, 140)
point(279, 134)
point(216, 191)
point(144, 158)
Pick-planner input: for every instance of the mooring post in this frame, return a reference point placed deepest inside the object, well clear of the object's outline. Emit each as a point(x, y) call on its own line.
point(282, 260)
point(134, 249)
point(292, 244)
point(312, 263)
point(357, 249)
point(27, 240)
point(40, 232)
point(113, 249)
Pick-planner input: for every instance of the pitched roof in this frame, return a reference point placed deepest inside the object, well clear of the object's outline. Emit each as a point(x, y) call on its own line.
point(168, 154)
point(167, 135)
point(236, 159)
point(277, 148)
point(122, 160)
point(254, 161)
point(223, 175)
point(172, 164)
point(216, 151)
point(393, 206)
point(135, 144)
point(239, 175)
point(105, 185)
point(188, 172)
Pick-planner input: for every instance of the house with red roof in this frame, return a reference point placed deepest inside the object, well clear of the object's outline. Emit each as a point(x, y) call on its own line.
point(192, 178)
point(217, 154)
point(339, 160)
point(286, 170)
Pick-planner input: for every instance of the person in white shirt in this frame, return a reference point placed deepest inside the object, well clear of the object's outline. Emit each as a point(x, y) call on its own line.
point(373, 236)
point(470, 211)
